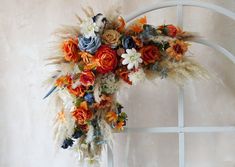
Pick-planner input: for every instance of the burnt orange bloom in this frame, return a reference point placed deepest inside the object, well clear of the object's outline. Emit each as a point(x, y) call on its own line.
point(120, 125)
point(123, 74)
point(82, 114)
point(107, 59)
point(137, 26)
point(121, 24)
point(111, 116)
point(150, 54)
point(78, 91)
point(169, 30)
point(63, 81)
point(177, 49)
point(137, 41)
point(70, 49)
point(87, 78)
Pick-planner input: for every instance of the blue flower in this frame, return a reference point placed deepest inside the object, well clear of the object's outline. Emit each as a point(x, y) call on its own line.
point(89, 98)
point(90, 44)
point(67, 143)
point(128, 42)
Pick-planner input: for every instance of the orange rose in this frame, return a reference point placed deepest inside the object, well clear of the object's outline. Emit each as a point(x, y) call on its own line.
point(150, 54)
point(87, 78)
point(82, 114)
point(70, 49)
point(78, 91)
point(123, 74)
point(107, 59)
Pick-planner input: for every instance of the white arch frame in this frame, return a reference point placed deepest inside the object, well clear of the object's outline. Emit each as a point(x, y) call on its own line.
point(181, 129)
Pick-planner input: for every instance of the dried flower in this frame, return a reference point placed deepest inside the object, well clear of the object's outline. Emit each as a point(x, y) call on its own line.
point(177, 49)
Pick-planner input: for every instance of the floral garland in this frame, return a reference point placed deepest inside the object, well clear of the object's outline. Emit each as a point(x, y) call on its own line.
point(95, 59)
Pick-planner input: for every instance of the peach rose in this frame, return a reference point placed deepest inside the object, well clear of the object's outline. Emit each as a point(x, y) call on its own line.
point(82, 114)
point(111, 37)
point(70, 49)
point(87, 78)
point(107, 59)
point(150, 54)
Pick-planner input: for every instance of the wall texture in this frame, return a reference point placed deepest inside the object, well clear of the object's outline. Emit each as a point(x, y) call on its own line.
point(26, 136)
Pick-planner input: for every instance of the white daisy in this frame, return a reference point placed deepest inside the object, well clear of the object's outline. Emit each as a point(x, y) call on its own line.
point(137, 76)
point(132, 58)
point(88, 28)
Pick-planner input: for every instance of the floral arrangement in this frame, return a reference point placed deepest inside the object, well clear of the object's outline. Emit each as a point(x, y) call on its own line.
point(94, 59)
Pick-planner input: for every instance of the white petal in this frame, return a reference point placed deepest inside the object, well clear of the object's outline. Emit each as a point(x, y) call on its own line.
point(130, 66)
point(125, 61)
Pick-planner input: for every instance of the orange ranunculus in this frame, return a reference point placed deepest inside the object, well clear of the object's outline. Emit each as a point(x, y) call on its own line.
point(63, 81)
point(150, 54)
point(123, 74)
point(70, 49)
point(87, 78)
point(107, 59)
point(82, 114)
point(111, 116)
point(78, 91)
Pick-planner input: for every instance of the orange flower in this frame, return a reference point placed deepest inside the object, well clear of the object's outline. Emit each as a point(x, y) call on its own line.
point(106, 101)
point(169, 30)
point(123, 74)
point(87, 78)
point(177, 49)
point(70, 49)
point(86, 57)
point(137, 41)
point(120, 125)
point(111, 116)
point(137, 26)
point(63, 81)
point(121, 24)
point(78, 91)
point(82, 114)
point(150, 54)
point(107, 59)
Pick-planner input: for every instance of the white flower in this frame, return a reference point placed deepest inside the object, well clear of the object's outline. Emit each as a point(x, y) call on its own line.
point(137, 76)
point(132, 58)
point(88, 28)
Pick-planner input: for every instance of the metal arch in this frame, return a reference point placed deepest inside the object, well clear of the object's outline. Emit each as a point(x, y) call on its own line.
point(166, 4)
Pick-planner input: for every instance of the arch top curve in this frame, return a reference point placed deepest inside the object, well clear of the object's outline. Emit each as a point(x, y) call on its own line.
point(174, 3)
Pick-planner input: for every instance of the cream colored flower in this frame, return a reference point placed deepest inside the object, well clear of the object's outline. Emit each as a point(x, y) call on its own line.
point(111, 37)
point(137, 76)
point(88, 28)
point(132, 58)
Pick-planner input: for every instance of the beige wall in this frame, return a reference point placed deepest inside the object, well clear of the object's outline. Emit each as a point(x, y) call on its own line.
point(26, 139)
